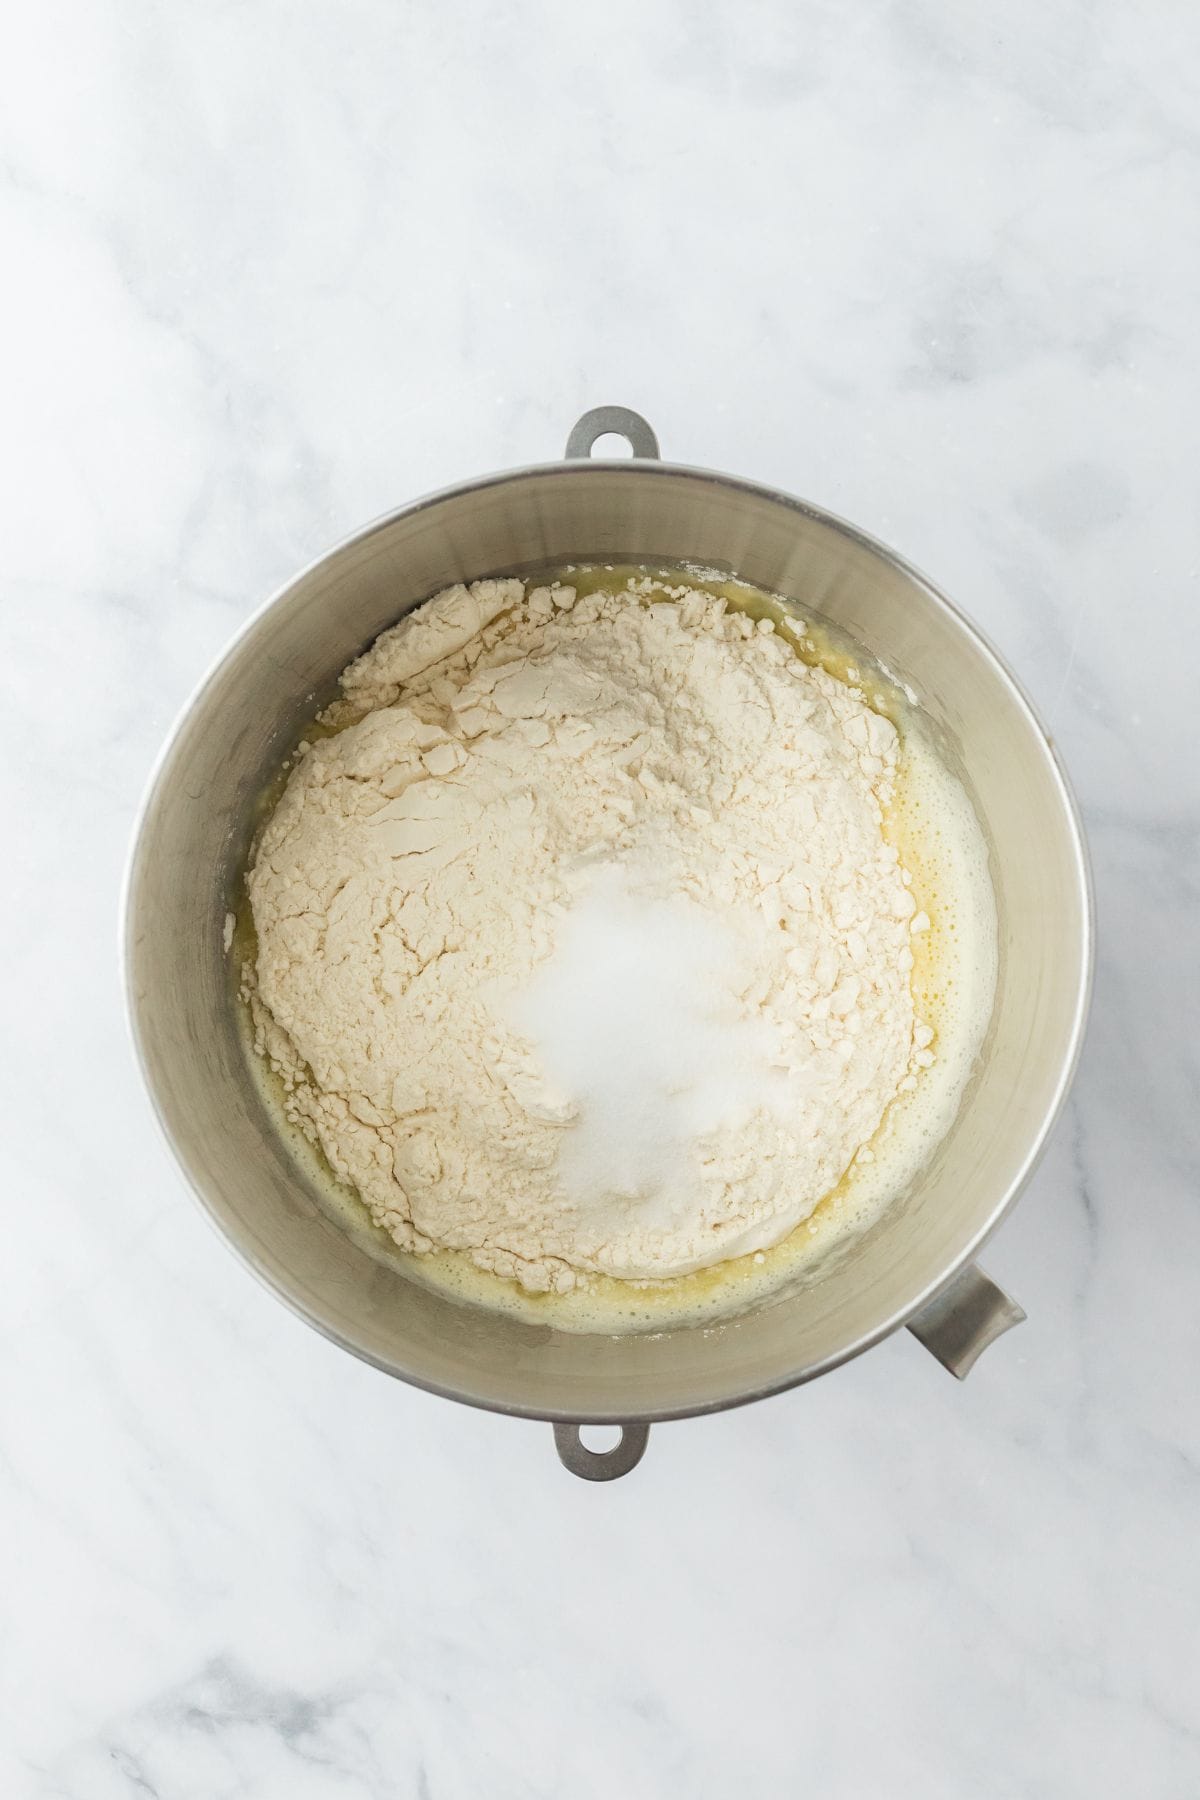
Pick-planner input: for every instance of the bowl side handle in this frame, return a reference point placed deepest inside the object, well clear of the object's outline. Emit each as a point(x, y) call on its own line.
point(968, 1315)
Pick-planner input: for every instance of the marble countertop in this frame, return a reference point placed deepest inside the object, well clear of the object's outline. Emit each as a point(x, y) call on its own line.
point(274, 269)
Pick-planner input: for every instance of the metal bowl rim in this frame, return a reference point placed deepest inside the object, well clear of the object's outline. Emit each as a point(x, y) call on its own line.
point(641, 468)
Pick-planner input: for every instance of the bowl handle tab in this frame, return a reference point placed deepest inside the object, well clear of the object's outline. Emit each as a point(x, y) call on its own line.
point(601, 1465)
point(622, 421)
point(964, 1319)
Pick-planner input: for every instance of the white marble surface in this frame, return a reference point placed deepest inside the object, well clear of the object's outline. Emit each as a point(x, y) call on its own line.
point(271, 269)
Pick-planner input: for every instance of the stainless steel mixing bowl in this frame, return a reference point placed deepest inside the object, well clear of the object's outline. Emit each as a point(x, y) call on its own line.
point(914, 1266)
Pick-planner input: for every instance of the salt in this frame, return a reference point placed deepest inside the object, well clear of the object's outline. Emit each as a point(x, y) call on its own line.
point(636, 1017)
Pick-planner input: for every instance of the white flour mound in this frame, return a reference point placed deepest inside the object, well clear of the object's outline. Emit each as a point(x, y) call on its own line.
point(580, 945)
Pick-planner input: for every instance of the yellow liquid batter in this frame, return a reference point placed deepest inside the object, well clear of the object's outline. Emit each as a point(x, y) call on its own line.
point(934, 828)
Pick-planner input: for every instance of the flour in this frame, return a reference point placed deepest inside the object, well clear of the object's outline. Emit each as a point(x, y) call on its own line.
point(581, 948)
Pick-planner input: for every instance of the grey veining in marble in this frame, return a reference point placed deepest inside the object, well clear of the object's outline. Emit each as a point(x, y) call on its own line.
point(271, 269)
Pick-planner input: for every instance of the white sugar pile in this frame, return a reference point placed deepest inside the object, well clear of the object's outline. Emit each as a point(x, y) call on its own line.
point(639, 1030)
